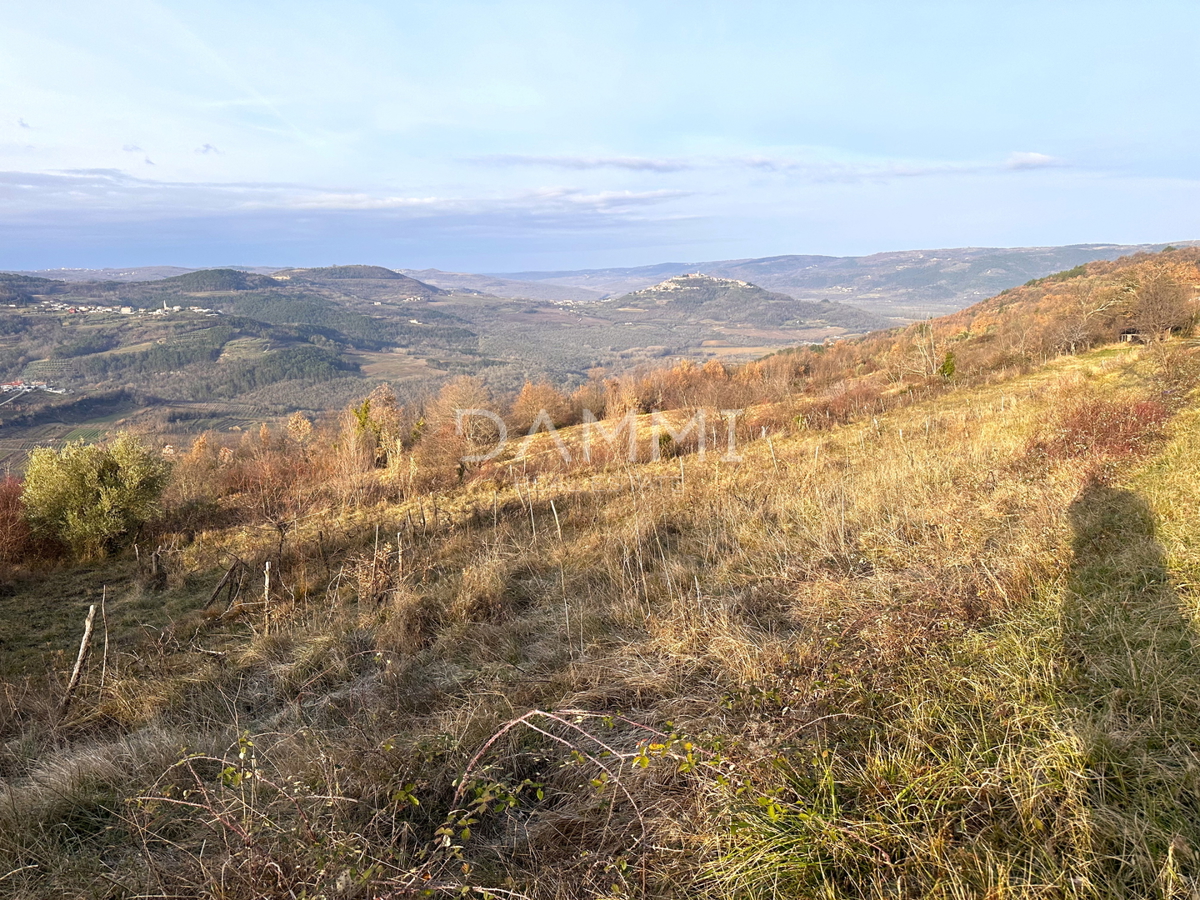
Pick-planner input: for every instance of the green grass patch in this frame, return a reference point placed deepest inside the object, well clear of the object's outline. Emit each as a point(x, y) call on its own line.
point(42, 613)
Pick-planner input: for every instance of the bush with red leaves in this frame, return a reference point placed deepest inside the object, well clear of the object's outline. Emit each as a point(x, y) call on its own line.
point(1094, 426)
point(842, 406)
point(15, 540)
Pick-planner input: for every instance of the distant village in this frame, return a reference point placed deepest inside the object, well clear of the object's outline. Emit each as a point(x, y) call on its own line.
point(83, 309)
point(16, 388)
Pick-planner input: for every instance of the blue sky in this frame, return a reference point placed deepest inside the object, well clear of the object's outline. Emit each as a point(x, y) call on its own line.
point(488, 136)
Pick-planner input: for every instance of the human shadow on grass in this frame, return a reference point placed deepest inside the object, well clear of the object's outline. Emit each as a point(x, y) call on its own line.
point(1133, 688)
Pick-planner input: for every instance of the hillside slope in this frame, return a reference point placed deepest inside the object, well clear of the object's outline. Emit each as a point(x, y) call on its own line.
point(931, 639)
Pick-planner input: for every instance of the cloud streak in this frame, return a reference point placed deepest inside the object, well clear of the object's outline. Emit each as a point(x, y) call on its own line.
point(817, 169)
point(114, 194)
point(854, 172)
point(580, 163)
point(1029, 160)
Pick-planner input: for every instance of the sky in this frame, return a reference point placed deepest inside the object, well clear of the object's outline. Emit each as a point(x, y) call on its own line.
point(509, 136)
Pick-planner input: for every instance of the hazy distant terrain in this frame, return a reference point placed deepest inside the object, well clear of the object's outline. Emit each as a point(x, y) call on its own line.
point(735, 309)
point(908, 284)
point(131, 273)
point(710, 318)
point(179, 351)
point(499, 286)
point(903, 285)
point(221, 349)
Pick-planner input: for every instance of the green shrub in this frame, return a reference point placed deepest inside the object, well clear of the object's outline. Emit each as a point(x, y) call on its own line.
point(948, 366)
point(92, 497)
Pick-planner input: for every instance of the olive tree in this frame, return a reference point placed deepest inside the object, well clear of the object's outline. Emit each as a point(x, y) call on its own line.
point(93, 496)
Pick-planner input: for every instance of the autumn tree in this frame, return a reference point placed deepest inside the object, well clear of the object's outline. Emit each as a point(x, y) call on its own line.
point(456, 396)
point(299, 428)
point(590, 398)
point(461, 426)
point(533, 401)
point(1162, 294)
point(194, 480)
point(623, 396)
point(1088, 307)
point(276, 483)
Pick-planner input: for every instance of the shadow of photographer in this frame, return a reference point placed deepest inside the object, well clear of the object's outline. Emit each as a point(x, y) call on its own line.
point(1133, 690)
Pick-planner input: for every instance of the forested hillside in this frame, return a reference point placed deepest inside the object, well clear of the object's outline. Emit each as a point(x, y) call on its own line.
point(225, 349)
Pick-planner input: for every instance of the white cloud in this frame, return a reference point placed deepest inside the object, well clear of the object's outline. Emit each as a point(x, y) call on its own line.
point(599, 200)
point(1032, 161)
point(830, 170)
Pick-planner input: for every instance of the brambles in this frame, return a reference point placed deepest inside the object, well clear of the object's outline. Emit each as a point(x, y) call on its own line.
point(1087, 424)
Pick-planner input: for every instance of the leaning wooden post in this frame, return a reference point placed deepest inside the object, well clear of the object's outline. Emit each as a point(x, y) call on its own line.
point(84, 646)
point(104, 622)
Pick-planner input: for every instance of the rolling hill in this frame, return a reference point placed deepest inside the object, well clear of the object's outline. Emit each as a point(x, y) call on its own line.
point(904, 285)
point(214, 347)
point(696, 299)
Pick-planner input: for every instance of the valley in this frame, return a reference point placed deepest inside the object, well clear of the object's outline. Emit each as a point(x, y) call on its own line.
point(220, 349)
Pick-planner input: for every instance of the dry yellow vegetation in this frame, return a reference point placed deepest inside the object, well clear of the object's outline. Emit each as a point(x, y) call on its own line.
point(943, 646)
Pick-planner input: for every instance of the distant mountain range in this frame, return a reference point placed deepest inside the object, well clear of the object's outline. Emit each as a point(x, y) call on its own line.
point(902, 285)
point(907, 284)
point(133, 273)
